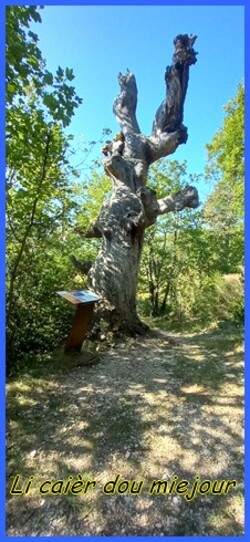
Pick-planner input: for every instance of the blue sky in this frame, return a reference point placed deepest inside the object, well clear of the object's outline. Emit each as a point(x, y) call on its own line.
point(99, 41)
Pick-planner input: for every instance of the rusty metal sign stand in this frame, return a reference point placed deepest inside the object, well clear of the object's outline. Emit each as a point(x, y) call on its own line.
point(85, 302)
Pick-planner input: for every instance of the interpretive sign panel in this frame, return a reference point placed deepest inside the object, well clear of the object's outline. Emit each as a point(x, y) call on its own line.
point(79, 296)
point(84, 301)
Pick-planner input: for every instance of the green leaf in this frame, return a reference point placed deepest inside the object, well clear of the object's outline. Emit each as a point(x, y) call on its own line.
point(33, 61)
point(48, 78)
point(49, 101)
point(33, 36)
point(69, 74)
point(11, 87)
point(36, 17)
point(60, 73)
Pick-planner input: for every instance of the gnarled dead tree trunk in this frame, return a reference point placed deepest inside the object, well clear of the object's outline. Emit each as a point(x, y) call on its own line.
point(133, 206)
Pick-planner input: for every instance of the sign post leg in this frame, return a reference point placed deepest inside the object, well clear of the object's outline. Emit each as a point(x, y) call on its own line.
point(80, 326)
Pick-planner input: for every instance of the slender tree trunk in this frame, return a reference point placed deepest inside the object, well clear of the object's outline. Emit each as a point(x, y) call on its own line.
point(29, 226)
point(134, 206)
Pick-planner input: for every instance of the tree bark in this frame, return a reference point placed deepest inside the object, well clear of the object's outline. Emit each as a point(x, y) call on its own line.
point(134, 206)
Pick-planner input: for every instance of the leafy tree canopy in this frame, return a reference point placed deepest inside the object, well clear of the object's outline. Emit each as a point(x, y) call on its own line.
point(226, 166)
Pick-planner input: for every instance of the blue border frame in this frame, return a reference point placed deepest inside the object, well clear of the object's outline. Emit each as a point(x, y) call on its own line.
point(2, 259)
point(127, 3)
point(247, 264)
point(2, 233)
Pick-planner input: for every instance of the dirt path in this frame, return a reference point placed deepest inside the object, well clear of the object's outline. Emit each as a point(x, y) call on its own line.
point(148, 410)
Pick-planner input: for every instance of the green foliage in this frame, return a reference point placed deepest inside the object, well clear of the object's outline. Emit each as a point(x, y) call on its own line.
point(166, 259)
point(226, 151)
point(224, 210)
point(23, 58)
point(220, 298)
point(26, 71)
point(90, 195)
point(40, 203)
point(192, 261)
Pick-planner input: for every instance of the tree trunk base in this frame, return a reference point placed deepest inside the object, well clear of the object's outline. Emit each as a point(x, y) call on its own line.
point(107, 324)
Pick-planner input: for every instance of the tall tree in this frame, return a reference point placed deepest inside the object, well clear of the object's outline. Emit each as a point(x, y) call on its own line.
point(133, 206)
point(39, 105)
point(224, 209)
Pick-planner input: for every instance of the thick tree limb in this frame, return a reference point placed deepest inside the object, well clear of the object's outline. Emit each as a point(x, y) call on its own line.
point(187, 197)
point(125, 104)
point(168, 131)
point(92, 233)
point(169, 116)
point(164, 144)
point(119, 169)
point(83, 267)
point(130, 171)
